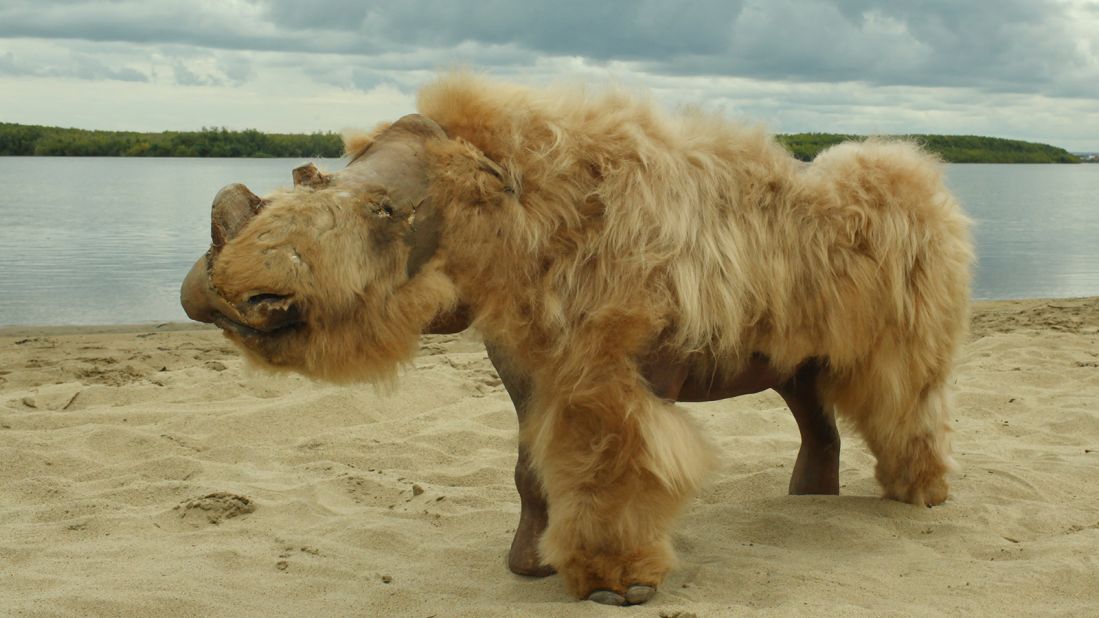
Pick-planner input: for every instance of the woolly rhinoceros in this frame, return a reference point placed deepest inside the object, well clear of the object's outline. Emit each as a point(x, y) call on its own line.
point(617, 259)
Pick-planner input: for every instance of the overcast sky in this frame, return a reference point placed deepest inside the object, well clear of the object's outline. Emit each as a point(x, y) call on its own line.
point(1026, 69)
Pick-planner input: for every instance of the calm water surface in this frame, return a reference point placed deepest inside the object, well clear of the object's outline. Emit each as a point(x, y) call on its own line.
point(1037, 228)
point(108, 240)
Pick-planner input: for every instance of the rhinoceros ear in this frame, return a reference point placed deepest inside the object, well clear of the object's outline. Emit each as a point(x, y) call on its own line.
point(462, 173)
point(234, 206)
point(309, 176)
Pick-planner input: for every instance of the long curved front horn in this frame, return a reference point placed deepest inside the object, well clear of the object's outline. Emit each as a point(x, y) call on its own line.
point(234, 206)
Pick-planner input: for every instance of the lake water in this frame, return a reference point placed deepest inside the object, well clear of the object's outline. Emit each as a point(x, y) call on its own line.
point(108, 240)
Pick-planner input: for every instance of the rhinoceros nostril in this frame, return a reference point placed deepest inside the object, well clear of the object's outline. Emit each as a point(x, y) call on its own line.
point(265, 298)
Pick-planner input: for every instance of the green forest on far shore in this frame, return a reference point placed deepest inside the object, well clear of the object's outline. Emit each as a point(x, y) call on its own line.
point(952, 148)
point(33, 140)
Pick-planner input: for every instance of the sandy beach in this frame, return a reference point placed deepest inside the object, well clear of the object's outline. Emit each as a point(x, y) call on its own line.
point(147, 471)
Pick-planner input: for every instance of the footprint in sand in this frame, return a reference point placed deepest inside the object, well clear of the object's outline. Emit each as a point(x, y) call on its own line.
point(478, 371)
point(110, 377)
point(216, 507)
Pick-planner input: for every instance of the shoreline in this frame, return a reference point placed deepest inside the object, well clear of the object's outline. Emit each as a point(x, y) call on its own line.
point(1014, 311)
point(20, 330)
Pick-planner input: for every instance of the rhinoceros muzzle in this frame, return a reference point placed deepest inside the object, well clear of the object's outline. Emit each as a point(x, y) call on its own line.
point(260, 314)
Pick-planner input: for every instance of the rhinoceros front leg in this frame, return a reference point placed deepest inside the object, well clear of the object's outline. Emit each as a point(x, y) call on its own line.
point(617, 463)
point(533, 511)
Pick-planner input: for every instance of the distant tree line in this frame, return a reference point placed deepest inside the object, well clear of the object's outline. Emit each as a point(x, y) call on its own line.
point(31, 140)
point(952, 148)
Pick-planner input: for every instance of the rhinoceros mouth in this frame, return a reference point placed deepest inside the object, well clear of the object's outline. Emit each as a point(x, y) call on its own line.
point(226, 323)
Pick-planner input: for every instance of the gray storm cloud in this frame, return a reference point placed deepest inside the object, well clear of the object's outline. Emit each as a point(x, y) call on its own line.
point(1016, 68)
point(1005, 45)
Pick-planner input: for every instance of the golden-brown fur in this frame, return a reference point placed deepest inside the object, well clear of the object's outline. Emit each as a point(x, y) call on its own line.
point(583, 229)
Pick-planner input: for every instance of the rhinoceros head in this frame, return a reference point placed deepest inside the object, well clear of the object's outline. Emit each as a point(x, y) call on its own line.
point(338, 276)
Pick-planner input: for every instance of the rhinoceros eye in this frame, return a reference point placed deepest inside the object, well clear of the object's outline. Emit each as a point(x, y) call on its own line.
point(385, 210)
